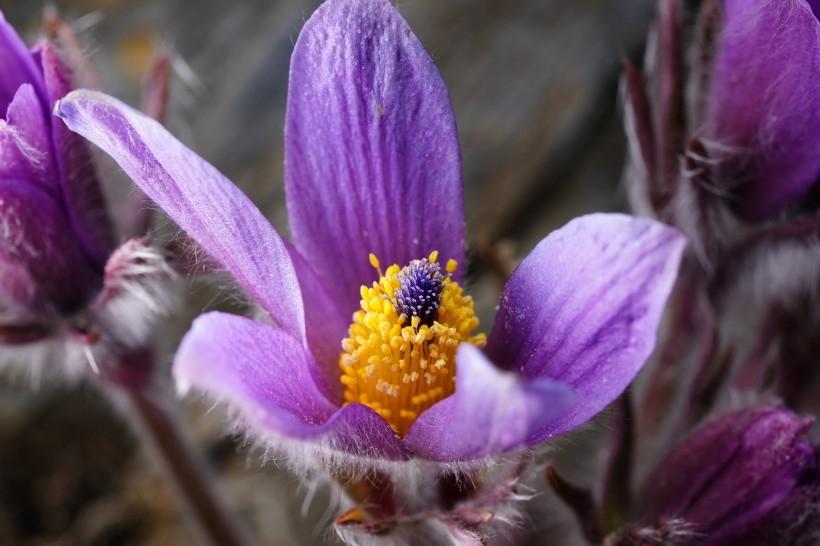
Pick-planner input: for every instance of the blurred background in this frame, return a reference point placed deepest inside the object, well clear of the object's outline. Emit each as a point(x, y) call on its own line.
point(534, 84)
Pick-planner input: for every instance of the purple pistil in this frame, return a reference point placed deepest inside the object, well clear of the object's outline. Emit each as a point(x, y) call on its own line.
point(419, 293)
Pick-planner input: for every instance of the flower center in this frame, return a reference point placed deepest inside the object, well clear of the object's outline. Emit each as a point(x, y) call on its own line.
point(399, 356)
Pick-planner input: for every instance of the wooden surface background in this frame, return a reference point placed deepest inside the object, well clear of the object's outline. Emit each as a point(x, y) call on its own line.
point(534, 86)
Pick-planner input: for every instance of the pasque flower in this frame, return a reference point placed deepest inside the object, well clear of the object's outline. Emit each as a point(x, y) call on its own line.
point(750, 477)
point(723, 130)
point(743, 109)
point(61, 278)
point(56, 234)
point(761, 141)
point(373, 181)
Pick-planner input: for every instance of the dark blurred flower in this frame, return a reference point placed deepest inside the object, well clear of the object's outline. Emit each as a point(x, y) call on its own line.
point(748, 478)
point(373, 169)
point(61, 283)
point(723, 131)
point(743, 109)
point(762, 120)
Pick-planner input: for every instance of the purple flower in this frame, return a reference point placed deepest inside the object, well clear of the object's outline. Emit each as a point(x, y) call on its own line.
point(373, 176)
point(723, 135)
point(743, 111)
point(748, 478)
point(762, 118)
point(55, 233)
point(65, 291)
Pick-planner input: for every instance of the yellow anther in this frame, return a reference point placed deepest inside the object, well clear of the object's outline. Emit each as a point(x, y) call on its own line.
point(451, 266)
point(397, 365)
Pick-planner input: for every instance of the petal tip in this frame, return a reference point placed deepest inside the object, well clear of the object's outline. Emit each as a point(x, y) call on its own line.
point(66, 107)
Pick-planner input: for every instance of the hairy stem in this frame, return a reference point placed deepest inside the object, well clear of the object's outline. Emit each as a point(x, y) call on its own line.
point(149, 412)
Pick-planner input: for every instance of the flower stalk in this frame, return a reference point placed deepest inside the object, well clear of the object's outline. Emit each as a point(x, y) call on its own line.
point(151, 415)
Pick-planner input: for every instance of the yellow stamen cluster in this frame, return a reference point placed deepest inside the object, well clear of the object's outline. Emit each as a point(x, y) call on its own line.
point(394, 363)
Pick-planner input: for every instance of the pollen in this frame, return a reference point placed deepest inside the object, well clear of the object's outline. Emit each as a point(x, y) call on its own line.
point(399, 356)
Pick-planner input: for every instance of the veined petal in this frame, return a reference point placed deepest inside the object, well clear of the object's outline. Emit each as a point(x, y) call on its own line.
point(196, 196)
point(492, 411)
point(768, 132)
point(265, 373)
point(18, 66)
point(81, 190)
point(583, 308)
point(372, 161)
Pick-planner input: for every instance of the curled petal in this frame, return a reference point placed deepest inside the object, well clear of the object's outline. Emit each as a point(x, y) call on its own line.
point(491, 412)
point(372, 161)
point(196, 196)
point(265, 372)
point(583, 308)
point(80, 187)
point(768, 132)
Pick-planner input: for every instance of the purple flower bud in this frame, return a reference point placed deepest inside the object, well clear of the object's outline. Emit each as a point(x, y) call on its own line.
point(65, 293)
point(55, 233)
point(748, 478)
point(763, 139)
point(748, 120)
point(731, 102)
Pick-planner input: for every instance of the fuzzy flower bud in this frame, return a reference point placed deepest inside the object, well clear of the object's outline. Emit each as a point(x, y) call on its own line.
point(748, 478)
point(729, 111)
point(55, 233)
point(64, 287)
point(723, 129)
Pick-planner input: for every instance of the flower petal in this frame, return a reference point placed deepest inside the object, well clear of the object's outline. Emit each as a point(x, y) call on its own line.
point(736, 473)
point(81, 190)
point(771, 50)
point(43, 271)
point(371, 148)
point(196, 196)
point(491, 412)
point(25, 143)
point(326, 326)
point(265, 372)
point(583, 308)
point(18, 66)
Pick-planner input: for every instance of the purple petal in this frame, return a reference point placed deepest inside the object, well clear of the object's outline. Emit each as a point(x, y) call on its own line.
point(491, 412)
point(815, 8)
point(25, 143)
point(85, 202)
point(18, 66)
point(742, 471)
point(768, 132)
point(197, 197)
point(583, 308)
point(265, 372)
point(43, 271)
point(371, 148)
point(326, 326)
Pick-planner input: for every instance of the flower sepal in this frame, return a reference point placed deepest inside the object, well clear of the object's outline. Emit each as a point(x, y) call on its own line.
point(436, 507)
